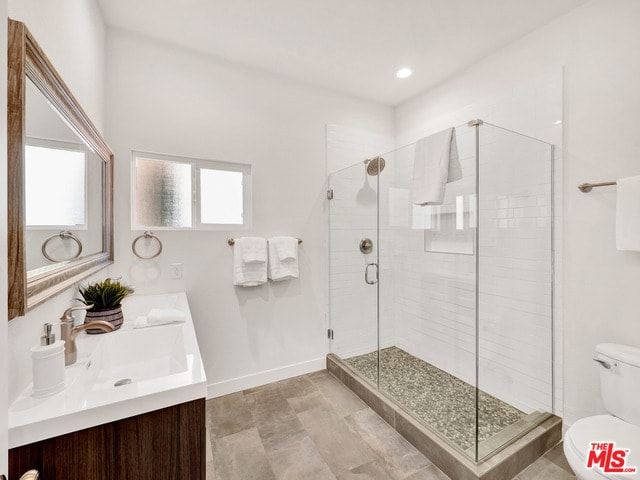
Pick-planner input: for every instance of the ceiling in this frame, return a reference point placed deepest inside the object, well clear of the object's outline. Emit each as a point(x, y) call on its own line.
point(349, 46)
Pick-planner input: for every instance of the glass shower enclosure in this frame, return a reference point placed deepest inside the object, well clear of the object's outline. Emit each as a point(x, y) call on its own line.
point(448, 309)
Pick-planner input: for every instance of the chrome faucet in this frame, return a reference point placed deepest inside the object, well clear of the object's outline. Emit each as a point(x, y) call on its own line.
point(68, 332)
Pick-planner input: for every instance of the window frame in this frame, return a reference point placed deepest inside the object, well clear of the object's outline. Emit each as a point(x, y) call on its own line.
point(197, 164)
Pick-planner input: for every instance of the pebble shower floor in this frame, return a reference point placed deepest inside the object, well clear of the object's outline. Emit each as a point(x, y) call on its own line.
point(444, 402)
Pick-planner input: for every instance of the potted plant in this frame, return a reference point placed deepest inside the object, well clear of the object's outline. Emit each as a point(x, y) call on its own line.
point(106, 298)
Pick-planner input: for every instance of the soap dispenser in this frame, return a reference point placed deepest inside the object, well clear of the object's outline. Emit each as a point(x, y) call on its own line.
point(48, 364)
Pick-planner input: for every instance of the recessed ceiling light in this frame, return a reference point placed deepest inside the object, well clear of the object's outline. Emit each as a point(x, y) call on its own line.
point(404, 72)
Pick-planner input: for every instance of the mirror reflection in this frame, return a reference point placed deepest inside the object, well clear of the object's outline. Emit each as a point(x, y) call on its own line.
point(63, 189)
point(60, 181)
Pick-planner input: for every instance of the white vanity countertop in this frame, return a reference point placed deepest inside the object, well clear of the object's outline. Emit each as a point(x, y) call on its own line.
point(89, 400)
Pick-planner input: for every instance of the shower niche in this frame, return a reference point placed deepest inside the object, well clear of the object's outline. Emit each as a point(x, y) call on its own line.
point(457, 331)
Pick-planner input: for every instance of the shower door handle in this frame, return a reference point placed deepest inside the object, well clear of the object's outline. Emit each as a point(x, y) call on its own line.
point(366, 274)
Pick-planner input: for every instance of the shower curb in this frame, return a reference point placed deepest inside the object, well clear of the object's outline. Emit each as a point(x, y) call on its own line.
point(505, 464)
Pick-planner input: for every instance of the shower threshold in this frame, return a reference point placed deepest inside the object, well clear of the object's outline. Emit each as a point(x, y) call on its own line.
point(510, 440)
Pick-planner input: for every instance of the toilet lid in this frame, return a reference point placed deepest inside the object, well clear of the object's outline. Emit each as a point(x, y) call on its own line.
point(605, 429)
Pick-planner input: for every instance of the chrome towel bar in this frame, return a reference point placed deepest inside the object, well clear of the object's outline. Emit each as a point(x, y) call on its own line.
point(232, 242)
point(586, 187)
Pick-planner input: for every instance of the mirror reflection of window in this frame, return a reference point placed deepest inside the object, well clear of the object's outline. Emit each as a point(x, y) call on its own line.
point(55, 184)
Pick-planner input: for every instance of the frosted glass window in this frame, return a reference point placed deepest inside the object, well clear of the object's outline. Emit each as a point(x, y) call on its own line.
point(187, 193)
point(163, 193)
point(221, 197)
point(55, 186)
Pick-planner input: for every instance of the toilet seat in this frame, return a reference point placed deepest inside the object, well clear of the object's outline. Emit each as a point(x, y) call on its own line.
point(601, 428)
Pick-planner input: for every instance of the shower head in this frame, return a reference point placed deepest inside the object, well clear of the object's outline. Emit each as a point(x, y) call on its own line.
point(374, 165)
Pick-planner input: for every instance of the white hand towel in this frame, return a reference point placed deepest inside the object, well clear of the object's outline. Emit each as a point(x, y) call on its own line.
point(286, 247)
point(160, 316)
point(628, 214)
point(287, 267)
point(254, 272)
point(254, 249)
point(436, 164)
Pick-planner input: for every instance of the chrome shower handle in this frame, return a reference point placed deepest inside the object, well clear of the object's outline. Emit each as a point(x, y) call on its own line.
point(366, 274)
point(606, 365)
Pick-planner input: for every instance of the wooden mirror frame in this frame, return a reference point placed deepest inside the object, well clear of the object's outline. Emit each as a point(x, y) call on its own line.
point(27, 60)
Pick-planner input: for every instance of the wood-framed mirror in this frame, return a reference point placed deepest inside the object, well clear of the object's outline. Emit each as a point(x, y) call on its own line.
point(60, 181)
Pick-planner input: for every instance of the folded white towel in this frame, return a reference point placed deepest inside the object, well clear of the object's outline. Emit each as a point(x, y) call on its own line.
point(253, 272)
point(283, 258)
point(286, 247)
point(253, 249)
point(160, 316)
point(436, 164)
point(628, 214)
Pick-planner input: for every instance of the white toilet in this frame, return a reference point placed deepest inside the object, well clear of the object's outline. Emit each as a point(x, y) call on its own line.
point(620, 385)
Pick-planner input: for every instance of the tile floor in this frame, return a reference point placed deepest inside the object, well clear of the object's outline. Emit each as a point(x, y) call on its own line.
point(312, 427)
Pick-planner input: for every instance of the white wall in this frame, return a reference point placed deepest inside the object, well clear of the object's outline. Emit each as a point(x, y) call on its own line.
point(601, 101)
point(72, 34)
point(168, 100)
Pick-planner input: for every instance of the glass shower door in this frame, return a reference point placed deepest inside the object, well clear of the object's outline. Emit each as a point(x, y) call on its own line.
point(515, 294)
point(353, 269)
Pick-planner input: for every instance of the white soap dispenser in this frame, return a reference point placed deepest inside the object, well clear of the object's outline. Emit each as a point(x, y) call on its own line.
point(48, 364)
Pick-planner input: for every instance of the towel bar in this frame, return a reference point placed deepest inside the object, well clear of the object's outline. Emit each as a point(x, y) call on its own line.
point(231, 241)
point(586, 187)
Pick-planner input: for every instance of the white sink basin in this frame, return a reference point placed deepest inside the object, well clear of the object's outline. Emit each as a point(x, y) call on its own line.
point(153, 368)
point(130, 356)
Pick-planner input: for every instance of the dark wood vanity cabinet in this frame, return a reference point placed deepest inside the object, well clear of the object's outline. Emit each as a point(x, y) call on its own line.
point(164, 444)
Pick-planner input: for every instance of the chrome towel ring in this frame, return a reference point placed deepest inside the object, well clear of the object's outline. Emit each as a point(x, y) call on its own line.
point(148, 235)
point(65, 234)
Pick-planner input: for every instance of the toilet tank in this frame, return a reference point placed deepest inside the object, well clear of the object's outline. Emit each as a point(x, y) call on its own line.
point(620, 383)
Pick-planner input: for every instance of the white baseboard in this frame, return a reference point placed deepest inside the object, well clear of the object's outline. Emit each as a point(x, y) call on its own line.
point(262, 378)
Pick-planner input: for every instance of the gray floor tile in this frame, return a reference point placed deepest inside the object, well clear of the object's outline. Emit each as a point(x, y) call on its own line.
point(399, 457)
point(296, 387)
point(556, 455)
point(308, 402)
point(210, 469)
point(543, 469)
point(318, 375)
point(314, 428)
point(273, 416)
point(228, 414)
point(343, 400)
point(297, 458)
point(341, 447)
point(241, 456)
point(368, 471)
point(428, 473)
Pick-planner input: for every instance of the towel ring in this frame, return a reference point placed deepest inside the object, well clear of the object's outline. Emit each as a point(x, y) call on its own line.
point(148, 234)
point(65, 234)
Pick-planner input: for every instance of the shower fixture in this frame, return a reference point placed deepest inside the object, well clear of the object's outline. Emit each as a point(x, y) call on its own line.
point(374, 165)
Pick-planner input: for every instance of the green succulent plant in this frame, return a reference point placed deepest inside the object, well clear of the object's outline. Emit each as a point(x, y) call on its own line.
point(106, 294)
